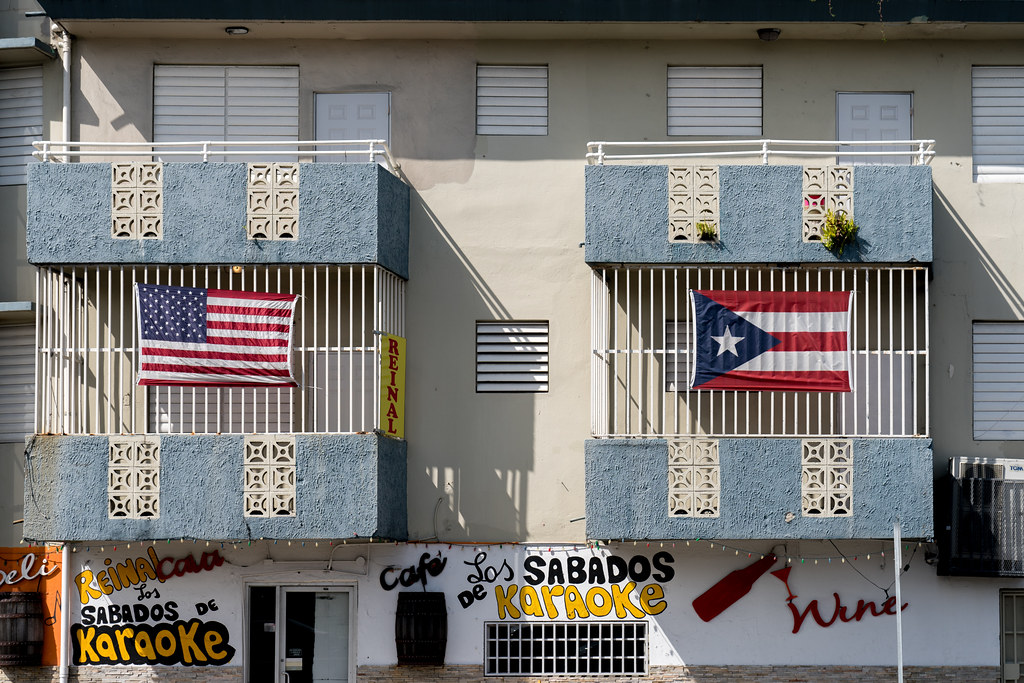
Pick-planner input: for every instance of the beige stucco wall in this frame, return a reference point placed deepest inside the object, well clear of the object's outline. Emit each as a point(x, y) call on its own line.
point(497, 224)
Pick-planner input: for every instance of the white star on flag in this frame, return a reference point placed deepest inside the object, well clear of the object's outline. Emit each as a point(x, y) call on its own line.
point(727, 342)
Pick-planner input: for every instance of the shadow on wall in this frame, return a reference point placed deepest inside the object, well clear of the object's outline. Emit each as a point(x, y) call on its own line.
point(470, 454)
point(970, 286)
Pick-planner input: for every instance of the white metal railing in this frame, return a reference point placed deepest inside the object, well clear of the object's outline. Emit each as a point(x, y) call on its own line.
point(918, 151)
point(87, 341)
point(641, 359)
point(370, 150)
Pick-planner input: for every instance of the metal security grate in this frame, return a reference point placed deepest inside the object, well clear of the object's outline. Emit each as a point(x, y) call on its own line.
point(986, 528)
point(87, 352)
point(594, 648)
point(642, 357)
point(511, 100)
point(512, 357)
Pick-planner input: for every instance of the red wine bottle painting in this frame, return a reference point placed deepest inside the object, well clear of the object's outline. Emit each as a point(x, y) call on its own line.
point(730, 589)
point(738, 583)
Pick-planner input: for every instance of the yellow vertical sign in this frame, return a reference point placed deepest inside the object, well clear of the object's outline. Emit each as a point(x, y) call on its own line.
point(392, 386)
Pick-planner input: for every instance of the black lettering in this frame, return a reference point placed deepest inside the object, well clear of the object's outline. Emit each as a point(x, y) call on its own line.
point(663, 563)
point(126, 614)
point(617, 569)
point(88, 615)
point(170, 610)
point(555, 574)
point(141, 613)
point(156, 612)
point(642, 573)
point(532, 572)
point(101, 616)
point(114, 614)
point(384, 583)
point(576, 573)
point(408, 577)
point(596, 570)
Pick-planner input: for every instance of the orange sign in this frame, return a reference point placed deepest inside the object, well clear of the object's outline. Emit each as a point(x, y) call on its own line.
point(36, 570)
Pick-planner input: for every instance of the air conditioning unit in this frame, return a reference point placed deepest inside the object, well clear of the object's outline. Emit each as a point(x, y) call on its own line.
point(985, 529)
point(1007, 469)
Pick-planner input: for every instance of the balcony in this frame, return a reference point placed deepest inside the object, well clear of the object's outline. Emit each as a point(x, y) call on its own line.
point(231, 203)
point(644, 205)
point(114, 460)
point(727, 463)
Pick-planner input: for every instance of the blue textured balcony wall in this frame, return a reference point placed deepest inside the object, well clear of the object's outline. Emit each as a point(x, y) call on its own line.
point(760, 484)
point(348, 214)
point(346, 485)
point(760, 217)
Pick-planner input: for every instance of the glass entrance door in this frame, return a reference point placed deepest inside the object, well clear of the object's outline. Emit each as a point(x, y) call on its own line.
point(299, 634)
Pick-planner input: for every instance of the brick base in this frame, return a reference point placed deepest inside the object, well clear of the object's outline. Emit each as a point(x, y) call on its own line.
point(699, 674)
point(474, 674)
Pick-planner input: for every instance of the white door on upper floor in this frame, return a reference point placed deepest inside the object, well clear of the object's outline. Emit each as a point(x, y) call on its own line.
point(353, 116)
point(874, 116)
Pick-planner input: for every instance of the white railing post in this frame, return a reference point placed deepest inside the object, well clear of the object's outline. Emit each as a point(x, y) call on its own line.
point(920, 153)
point(373, 157)
point(600, 155)
point(46, 150)
point(764, 152)
point(206, 151)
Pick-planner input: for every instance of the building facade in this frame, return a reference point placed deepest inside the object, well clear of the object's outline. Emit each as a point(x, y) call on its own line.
point(538, 216)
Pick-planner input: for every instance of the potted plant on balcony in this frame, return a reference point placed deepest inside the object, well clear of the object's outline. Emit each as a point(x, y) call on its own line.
point(706, 232)
point(838, 232)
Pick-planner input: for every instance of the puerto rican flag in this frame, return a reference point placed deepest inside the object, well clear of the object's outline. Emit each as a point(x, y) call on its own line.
point(772, 341)
point(190, 336)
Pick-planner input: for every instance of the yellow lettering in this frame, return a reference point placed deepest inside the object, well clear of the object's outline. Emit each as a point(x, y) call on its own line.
point(575, 604)
point(127, 574)
point(85, 590)
point(123, 633)
point(105, 647)
point(211, 639)
point(606, 601)
point(546, 592)
point(652, 599)
point(530, 602)
point(85, 649)
point(620, 598)
point(144, 569)
point(144, 646)
point(104, 582)
point(188, 643)
point(161, 636)
point(504, 601)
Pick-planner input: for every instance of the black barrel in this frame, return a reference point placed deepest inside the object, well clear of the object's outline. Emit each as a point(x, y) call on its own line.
point(21, 629)
point(421, 628)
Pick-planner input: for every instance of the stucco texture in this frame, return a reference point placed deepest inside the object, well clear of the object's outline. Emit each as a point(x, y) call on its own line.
point(760, 484)
point(760, 217)
point(348, 213)
point(346, 486)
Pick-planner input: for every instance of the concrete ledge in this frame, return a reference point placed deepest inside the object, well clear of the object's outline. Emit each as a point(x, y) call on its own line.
point(345, 487)
point(627, 491)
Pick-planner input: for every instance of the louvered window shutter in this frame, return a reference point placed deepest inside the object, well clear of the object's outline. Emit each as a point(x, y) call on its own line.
point(512, 356)
point(712, 101)
point(259, 103)
point(17, 381)
point(21, 121)
point(511, 100)
point(997, 108)
point(998, 381)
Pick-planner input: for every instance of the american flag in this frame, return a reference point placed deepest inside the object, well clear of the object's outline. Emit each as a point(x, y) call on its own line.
point(772, 341)
point(192, 336)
